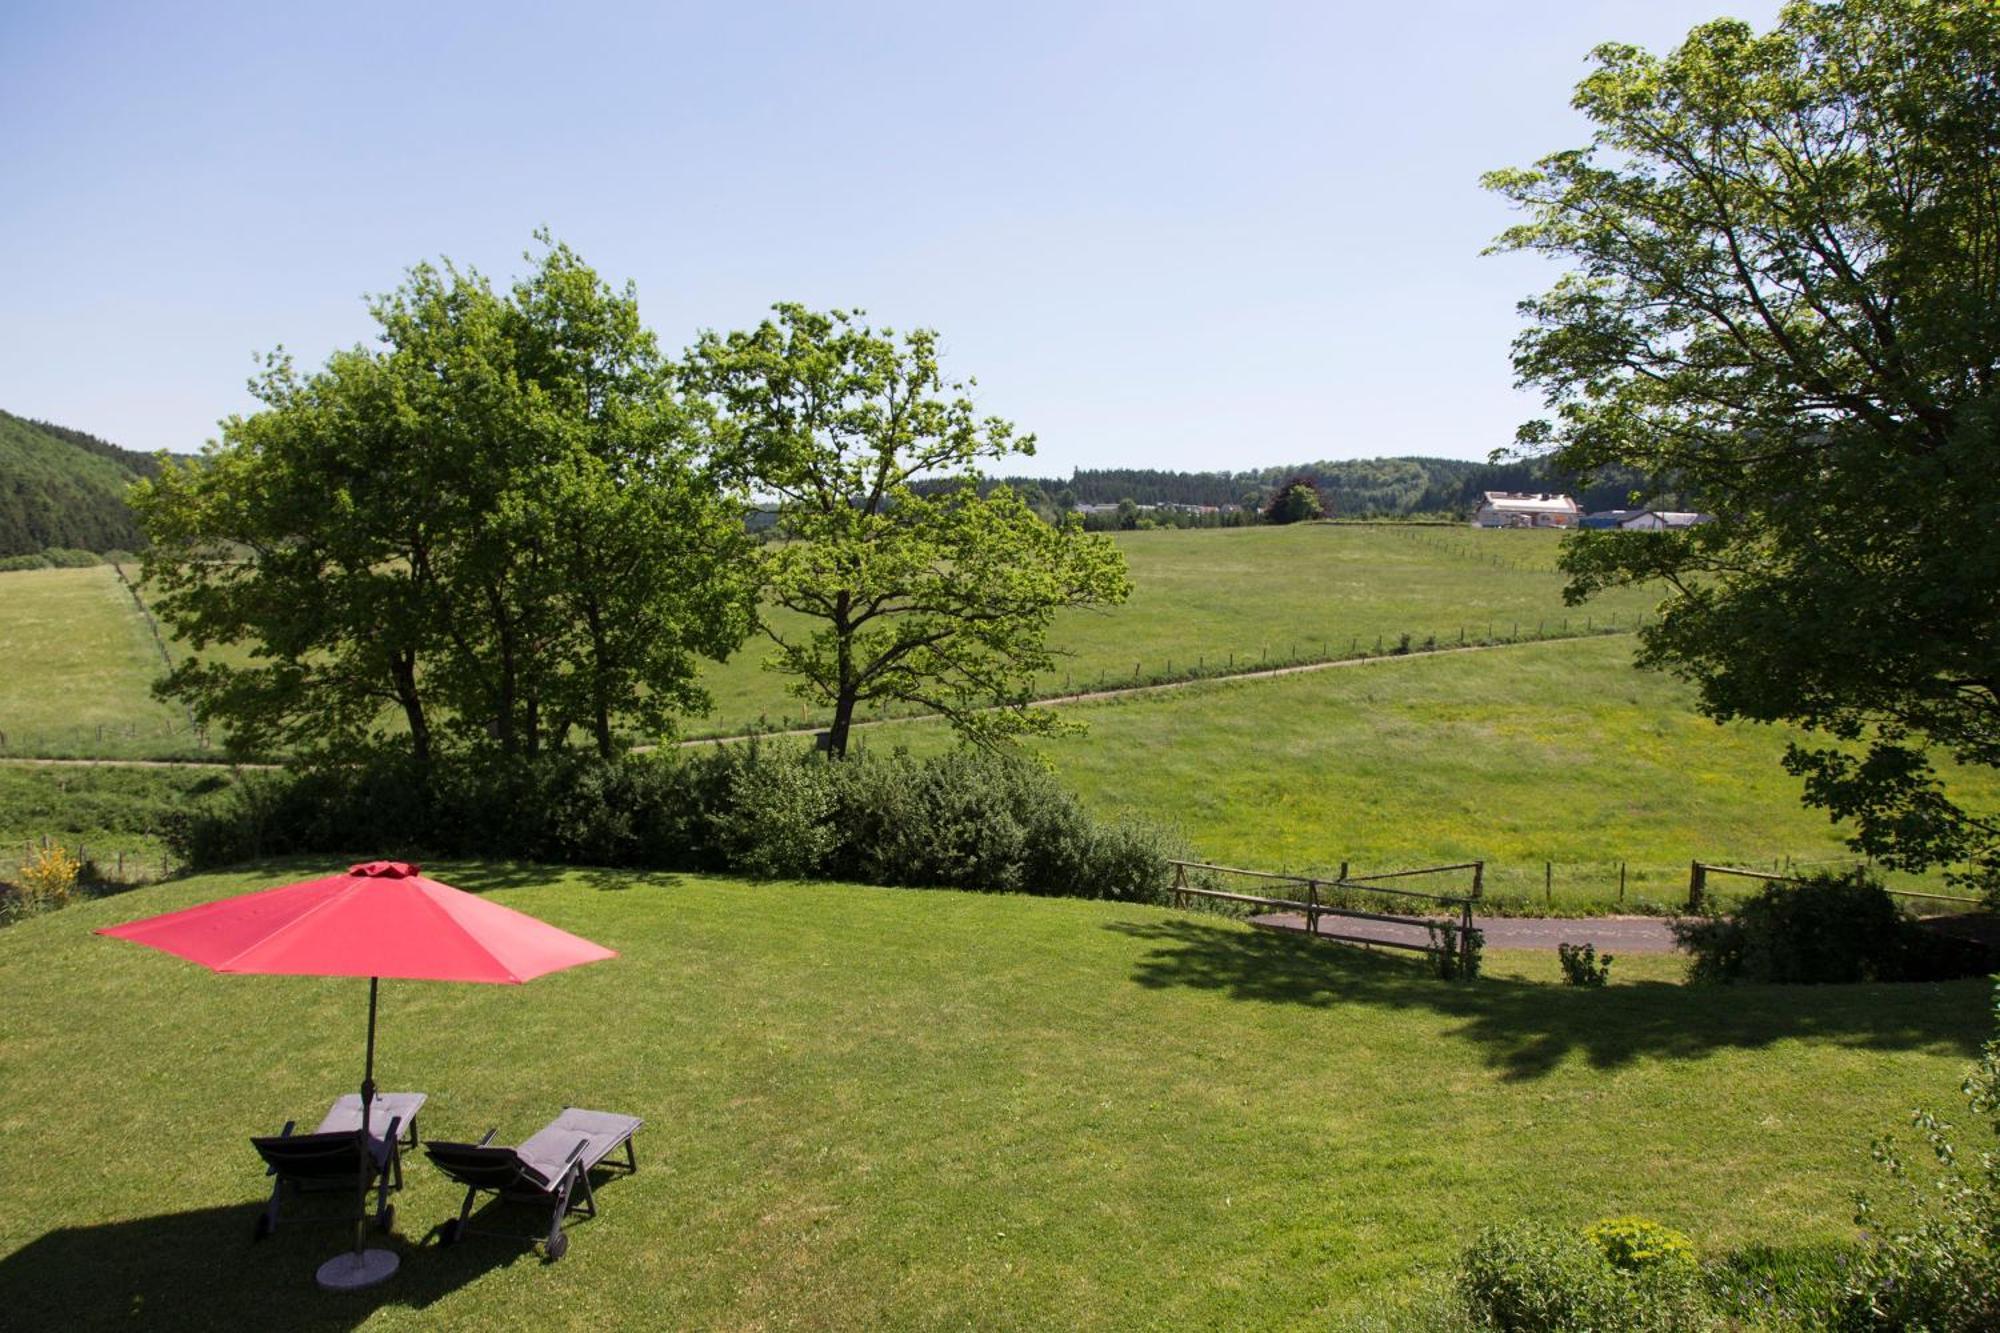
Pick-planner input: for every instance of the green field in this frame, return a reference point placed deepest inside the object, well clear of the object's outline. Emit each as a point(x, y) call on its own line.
point(1520, 756)
point(1205, 602)
point(80, 665)
point(1211, 601)
point(879, 1108)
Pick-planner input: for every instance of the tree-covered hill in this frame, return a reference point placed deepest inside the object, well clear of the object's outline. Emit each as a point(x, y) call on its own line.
point(61, 487)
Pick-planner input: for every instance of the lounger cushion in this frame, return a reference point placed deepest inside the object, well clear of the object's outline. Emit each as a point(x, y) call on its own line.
point(317, 1156)
point(346, 1113)
point(546, 1152)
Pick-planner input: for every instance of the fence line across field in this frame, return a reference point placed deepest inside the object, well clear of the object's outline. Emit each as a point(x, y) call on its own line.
point(1457, 934)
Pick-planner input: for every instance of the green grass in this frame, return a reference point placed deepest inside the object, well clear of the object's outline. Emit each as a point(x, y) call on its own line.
point(106, 812)
point(1205, 602)
point(1557, 752)
point(80, 666)
point(891, 1109)
point(1210, 601)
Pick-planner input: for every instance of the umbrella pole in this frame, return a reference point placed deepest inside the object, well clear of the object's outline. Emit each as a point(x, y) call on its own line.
point(361, 1217)
point(363, 1267)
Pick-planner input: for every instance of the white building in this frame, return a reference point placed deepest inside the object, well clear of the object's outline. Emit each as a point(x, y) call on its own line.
point(1519, 509)
point(1659, 520)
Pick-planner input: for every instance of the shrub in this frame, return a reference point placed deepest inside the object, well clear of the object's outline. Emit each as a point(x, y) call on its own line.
point(63, 557)
point(1940, 1270)
point(1456, 959)
point(961, 820)
point(48, 878)
point(10, 564)
point(1582, 967)
point(1826, 928)
point(1535, 1278)
point(1636, 1244)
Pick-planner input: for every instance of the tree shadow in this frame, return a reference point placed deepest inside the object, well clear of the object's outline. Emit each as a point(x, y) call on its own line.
point(200, 1269)
point(1526, 1029)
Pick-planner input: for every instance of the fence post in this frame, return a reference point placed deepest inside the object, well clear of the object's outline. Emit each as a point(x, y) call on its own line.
point(1343, 872)
point(1697, 882)
point(1180, 882)
point(1621, 881)
point(1548, 884)
point(1312, 907)
point(1478, 878)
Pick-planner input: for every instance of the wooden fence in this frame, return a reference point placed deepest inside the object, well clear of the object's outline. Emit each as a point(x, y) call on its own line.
point(1314, 907)
point(1699, 871)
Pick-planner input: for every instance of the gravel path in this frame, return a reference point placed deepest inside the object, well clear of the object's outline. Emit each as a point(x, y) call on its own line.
point(1611, 934)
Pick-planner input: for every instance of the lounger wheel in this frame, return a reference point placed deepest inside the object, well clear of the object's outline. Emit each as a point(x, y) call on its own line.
point(558, 1245)
point(263, 1227)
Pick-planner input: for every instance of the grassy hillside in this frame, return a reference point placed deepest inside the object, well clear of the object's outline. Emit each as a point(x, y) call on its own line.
point(80, 666)
point(1555, 752)
point(1209, 601)
point(60, 487)
point(893, 1109)
point(1205, 602)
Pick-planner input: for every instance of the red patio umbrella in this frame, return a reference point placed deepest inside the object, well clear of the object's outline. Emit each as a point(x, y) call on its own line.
point(380, 919)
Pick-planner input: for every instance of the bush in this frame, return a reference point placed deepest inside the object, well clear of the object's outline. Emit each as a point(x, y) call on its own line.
point(1827, 928)
point(1455, 959)
point(1534, 1278)
point(1941, 1269)
point(961, 820)
point(1582, 967)
point(1637, 1244)
point(48, 877)
point(63, 557)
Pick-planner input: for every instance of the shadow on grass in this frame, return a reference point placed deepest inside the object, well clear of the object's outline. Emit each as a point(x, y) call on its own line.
point(200, 1269)
point(1527, 1029)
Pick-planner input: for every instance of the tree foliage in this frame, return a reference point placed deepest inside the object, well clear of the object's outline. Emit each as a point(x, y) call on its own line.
point(1297, 501)
point(1785, 290)
point(939, 597)
point(500, 525)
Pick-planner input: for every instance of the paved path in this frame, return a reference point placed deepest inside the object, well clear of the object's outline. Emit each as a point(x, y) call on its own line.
point(1611, 934)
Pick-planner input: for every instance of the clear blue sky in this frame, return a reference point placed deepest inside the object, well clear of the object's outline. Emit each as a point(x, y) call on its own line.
point(1185, 236)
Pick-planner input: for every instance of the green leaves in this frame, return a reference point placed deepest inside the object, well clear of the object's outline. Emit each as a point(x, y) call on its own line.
point(501, 525)
point(1785, 295)
point(928, 592)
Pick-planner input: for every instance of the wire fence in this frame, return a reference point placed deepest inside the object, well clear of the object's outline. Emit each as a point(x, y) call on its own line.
point(111, 863)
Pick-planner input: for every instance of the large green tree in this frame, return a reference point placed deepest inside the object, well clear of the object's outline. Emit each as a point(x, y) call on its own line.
point(933, 596)
point(501, 524)
point(1784, 293)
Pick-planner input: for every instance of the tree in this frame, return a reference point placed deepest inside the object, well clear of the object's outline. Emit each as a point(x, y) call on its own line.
point(1295, 502)
point(1786, 296)
point(499, 525)
point(936, 597)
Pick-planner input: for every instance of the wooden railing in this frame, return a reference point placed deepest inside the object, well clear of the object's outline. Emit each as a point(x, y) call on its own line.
point(1699, 871)
point(1313, 907)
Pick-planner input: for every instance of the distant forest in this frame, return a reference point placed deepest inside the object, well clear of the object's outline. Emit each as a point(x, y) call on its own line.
point(62, 488)
point(1352, 488)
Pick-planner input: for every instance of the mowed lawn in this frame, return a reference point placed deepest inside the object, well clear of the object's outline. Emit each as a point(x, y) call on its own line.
point(873, 1108)
point(1554, 752)
point(79, 663)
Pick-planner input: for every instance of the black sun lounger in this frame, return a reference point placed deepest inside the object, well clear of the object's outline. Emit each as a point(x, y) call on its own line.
point(551, 1169)
point(336, 1156)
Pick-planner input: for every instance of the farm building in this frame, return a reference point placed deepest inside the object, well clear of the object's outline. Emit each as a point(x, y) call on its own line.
point(1659, 520)
point(1607, 518)
point(1516, 509)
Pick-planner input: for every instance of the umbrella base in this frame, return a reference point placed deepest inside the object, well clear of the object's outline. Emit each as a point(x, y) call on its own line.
point(357, 1269)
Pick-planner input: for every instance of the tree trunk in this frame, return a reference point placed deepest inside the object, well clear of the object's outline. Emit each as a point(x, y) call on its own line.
point(403, 667)
point(843, 722)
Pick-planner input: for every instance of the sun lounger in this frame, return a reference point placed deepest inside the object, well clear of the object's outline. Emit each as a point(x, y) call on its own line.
point(336, 1156)
point(550, 1169)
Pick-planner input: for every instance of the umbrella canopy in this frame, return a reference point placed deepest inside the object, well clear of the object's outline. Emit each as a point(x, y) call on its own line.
point(380, 919)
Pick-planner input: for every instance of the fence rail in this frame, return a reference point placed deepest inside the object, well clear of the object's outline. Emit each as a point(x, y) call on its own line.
point(1699, 871)
point(1458, 939)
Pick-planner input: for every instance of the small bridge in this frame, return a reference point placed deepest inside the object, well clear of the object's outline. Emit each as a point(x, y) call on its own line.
point(1445, 933)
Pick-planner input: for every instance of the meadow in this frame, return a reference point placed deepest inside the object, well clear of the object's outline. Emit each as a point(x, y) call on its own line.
point(874, 1108)
point(1522, 756)
point(1204, 603)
